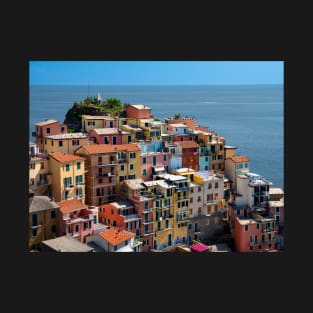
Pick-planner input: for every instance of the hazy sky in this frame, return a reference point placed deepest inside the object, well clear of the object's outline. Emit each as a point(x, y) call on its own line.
point(155, 72)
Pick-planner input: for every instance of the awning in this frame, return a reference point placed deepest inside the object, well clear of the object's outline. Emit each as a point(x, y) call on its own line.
point(199, 247)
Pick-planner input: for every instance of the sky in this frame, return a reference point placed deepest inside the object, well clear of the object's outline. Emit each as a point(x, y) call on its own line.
point(155, 72)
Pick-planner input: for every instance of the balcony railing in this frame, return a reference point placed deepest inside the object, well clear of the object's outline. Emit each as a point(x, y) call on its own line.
point(43, 182)
point(68, 187)
point(80, 184)
point(131, 217)
point(110, 163)
point(146, 222)
point(109, 174)
point(148, 210)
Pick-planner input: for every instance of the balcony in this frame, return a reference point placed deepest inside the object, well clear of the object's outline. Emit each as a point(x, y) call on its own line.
point(148, 210)
point(271, 229)
point(68, 187)
point(148, 232)
point(146, 222)
point(80, 184)
point(122, 160)
point(211, 202)
point(182, 188)
point(131, 217)
point(43, 182)
point(101, 164)
point(109, 174)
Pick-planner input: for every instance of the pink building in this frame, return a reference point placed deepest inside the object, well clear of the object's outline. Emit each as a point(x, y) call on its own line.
point(47, 128)
point(76, 219)
point(138, 111)
point(154, 163)
point(112, 136)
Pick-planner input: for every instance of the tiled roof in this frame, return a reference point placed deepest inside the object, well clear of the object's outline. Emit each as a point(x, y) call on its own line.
point(67, 206)
point(239, 159)
point(188, 144)
point(103, 148)
point(47, 122)
point(116, 236)
point(62, 157)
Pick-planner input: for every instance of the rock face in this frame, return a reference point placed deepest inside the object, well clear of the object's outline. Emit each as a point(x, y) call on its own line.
point(73, 115)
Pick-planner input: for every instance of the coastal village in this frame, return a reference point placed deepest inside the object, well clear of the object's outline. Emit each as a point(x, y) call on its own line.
point(125, 181)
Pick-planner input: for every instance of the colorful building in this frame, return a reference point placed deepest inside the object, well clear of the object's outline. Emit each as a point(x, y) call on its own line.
point(190, 154)
point(154, 163)
point(90, 122)
point(138, 111)
point(115, 239)
point(143, 202)
point(188, 121)
point(107, 166)
point(43, 220)
point(68, 176)
point(47, 128)
point(40, 178)
point(112, 136)
point(65, 143)
point(77, 219)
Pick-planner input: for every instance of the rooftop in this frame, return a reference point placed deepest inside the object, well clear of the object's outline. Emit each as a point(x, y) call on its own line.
point(97, 117)
point(106, 148)
point(68, 136)
point(245, 221)
point(63, 157)
point(67, 206)
point(240, 159)
point(122, 204)
point(46, 122)
point(42, 203)
point(67, 244)
point(116, 236)
point(134, 184)
point(207, 176)
point(276, 203)
point(172, 177)
point(140, 107)
point(276, 191)
point(188, 144)
point(106, 131)
point(178, 125)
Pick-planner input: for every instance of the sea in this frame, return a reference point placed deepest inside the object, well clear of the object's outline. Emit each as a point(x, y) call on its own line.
point(249, 117)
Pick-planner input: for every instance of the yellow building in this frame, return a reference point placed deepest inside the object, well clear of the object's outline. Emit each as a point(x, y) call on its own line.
point(68, 176)
point(136, 132)
point(152, 128)
point(90, 122)
point(163, 212)
point(39, 175)
point(65, 143)
point(43, 220)
point(107, 166)
point(180, 201)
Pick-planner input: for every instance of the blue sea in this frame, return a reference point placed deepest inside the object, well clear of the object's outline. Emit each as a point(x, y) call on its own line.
point(250, 117)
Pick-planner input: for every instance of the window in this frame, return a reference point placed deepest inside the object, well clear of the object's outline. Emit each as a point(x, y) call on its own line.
point(206, 168)
point(132, 155)
point(114, 140)
point(53, 214)
point(199, 211)
point(144, 160)
point(129, 139)
point(66, 195)
point(79, 193)
point(132, 176)
point(277, 210)
point(32, 181)
point(220, 157)
point(154, 160)
point(76, 228)
point(115, 248)
point(62, 129)
point(144, 172)
point(121, 178)
point(75, 142)
point(189, 226)
point(42, 165)
point(67, 182)
point(251, 248)
point(131, 166)
point(199, 188)
point(216, 185)
point(60, 143)
point(122, 167)
point(48, 130)
point(246, 227)
point(164, 157)
point(35, 232)
point(206, 159)
point(126, 242)
point(67, 167)
point(79, 179)
point(78, 165)
point(257, 226)
point(199, 199)
point(53, 229)
point(191, 200)
point(210, 186)
point(246, 165)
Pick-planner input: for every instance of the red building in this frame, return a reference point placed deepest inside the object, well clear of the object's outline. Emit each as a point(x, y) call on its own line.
point(47, 128)
point(190, 154)
point(138, 111)
point(185, 137)
point(154, 163)
point(112, 136)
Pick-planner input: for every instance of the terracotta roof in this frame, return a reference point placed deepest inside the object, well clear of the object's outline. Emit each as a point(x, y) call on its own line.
point(103, 148)
point(239, 159)
point(67, 206)
point(188, 144)
point(62, 157)
point(116, 236)
point(46, 122)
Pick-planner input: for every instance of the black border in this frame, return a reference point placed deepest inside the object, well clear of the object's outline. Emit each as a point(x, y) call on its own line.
point(183, 38)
